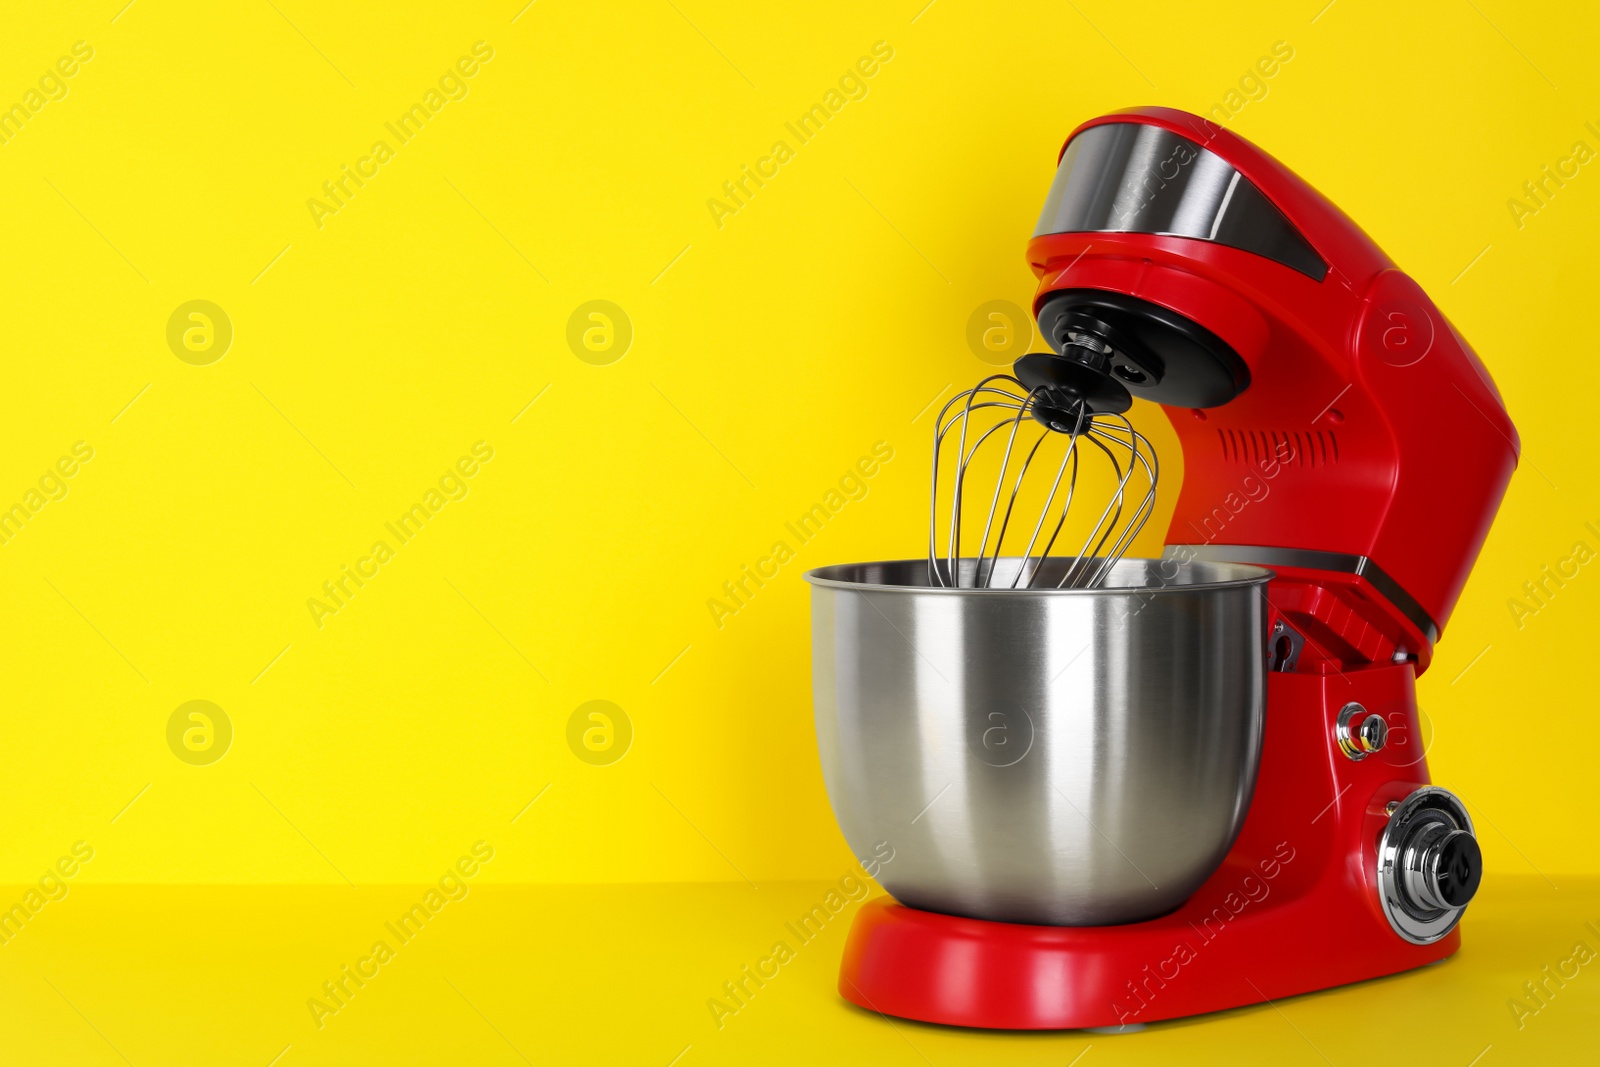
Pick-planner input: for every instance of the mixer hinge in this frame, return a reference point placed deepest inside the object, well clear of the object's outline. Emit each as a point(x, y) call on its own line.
point(1283, 647)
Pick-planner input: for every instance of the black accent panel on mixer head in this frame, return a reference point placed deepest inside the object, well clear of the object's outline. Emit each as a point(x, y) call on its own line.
point(1065, 392)
point(1159, 354)
point(1127, 177)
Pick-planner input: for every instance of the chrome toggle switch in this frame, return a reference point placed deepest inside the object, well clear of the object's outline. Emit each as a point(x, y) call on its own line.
point(1359, 734)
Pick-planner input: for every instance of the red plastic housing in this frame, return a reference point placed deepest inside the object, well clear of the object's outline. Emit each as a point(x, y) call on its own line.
point(1369, 427)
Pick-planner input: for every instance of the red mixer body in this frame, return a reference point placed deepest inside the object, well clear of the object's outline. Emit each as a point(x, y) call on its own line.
point(1362, 457)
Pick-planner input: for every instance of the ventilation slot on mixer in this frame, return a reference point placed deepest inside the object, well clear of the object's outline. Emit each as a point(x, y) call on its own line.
point(1303, 448)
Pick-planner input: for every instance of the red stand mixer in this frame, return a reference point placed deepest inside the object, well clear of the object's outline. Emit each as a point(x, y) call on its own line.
point(1335, 429)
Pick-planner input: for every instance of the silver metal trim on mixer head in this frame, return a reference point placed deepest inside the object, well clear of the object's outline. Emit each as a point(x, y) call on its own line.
point(1131, 177)
point(1313, 560)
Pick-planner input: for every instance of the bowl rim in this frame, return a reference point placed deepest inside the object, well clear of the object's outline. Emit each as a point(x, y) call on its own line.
point(1246, 575)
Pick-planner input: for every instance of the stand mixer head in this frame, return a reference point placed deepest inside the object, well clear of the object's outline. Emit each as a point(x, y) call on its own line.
point(1334, 425)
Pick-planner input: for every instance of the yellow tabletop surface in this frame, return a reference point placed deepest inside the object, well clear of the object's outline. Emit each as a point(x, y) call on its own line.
point(623, 974)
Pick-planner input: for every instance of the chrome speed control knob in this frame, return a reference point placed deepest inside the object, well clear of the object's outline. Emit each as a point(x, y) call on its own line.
point(1359, 733)
point(1446, 871)
point(1429, 865)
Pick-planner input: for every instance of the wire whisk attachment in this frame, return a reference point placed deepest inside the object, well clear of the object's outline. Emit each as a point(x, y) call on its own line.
point(1065, 414)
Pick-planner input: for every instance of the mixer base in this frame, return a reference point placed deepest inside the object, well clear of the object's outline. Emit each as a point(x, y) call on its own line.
point(968, 972)
point(1294, 908)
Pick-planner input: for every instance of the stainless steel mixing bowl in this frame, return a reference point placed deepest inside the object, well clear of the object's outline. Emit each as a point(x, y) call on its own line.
point(1057, 757)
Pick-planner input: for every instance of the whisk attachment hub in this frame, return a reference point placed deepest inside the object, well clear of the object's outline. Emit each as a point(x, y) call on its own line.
point(1064, 391)
point(1160, 354)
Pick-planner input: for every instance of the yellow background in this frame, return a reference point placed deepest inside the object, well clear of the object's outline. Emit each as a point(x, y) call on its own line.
point(768, 355)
